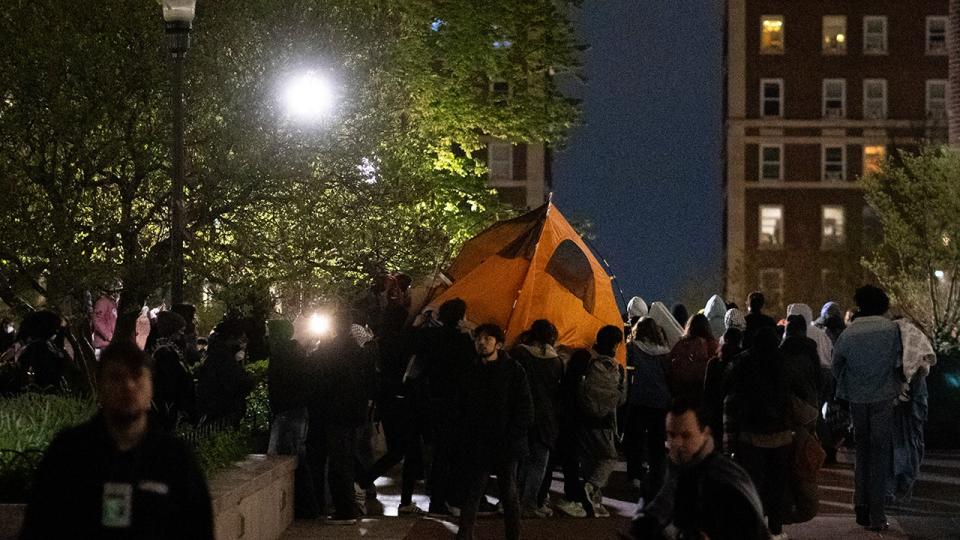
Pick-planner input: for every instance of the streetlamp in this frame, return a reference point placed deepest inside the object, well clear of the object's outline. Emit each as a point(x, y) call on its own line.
point(178, 16)
point(308, 97)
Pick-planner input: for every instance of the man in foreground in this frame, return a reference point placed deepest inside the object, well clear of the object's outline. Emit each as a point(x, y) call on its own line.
point(114, 476)
point(705, 495)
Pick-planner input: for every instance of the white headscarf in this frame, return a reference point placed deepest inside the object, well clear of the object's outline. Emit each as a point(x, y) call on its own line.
point(714, 311)
point(671, 328)
point(636, 307)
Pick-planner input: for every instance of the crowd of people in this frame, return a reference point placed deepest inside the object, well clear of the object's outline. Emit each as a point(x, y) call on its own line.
point(723, 417)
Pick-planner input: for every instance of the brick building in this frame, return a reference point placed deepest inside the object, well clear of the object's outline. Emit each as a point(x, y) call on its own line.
point(817, 93)
point(520, 172)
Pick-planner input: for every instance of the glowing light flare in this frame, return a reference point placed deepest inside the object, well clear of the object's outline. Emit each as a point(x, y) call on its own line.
point(939, 274)
point(309, 97)
point(320, 324)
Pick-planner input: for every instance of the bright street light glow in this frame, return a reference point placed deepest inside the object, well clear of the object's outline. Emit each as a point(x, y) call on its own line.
point(320, 324)
point(939, 274)
point(308, 96)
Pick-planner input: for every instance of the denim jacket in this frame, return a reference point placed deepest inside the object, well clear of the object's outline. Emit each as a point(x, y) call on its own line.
point(866, 360)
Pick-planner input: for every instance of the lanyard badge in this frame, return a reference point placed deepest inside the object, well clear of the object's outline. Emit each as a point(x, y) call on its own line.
point(117, 505)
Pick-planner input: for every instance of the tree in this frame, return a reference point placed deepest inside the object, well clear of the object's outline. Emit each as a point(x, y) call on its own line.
point(917, 200)
point(393, 180)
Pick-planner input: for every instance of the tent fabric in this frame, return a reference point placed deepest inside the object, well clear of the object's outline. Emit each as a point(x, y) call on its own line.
point(533, 267)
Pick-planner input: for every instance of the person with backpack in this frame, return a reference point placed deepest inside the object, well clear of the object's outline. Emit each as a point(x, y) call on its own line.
point(600, 393)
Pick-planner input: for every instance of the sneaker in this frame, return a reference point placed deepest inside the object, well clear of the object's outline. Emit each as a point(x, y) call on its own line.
point(600, 511)
point(781, 536)
point(570, 508)
point(546, 510)
point(360, 499)
point(334, 520)
point(409, 510)
point(590, 501)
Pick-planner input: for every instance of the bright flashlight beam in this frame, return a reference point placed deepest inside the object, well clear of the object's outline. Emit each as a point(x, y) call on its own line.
point(320, 324)
point(309, 96)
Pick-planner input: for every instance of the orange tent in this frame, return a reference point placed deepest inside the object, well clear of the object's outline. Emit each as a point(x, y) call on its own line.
point(533, 267)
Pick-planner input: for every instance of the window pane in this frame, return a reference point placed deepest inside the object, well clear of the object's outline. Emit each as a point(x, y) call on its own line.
point(833, 168)
point(771, 153)
point(771, 33)
point(500, 160)
point(936, 34)
point(834, 33)
point(770, 162)
point(771, 283)
point(875, 34)
point(771, 226)
point(873, 157)
point(833, 226)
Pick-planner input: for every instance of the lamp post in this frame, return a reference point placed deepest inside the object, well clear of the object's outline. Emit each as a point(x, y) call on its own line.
point(178, 16)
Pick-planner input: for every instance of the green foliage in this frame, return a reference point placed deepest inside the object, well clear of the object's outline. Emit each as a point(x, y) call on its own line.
point(257, 418)
point(393, 180)
point(216, 447)
point(31, 420)
point(917, 199)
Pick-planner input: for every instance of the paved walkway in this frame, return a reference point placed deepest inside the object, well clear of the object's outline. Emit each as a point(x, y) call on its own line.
point(934, 512)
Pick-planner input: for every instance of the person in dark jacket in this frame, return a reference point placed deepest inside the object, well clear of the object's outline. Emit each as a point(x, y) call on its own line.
point(648, 398)
point(706, 495)
point(174, 395)
point(689, 357)
point(222, 383)
point(544, 369)
point(343, 381)
point(43, 362)
point(495, 411)
point(567, 449)
point(288, 376)
point(762, 408)
point(602, 390)
point(115, 476)
point(801, 368)
point(755, 318)
point(443, 352)
point(716, 382)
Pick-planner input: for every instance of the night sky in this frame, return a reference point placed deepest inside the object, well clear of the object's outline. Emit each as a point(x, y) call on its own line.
point(645, 165)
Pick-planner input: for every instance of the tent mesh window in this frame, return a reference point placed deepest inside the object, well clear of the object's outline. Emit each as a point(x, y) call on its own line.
point(571, 268)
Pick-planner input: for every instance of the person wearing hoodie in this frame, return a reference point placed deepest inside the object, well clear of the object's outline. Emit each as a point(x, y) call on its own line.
point(834, 426)
point(717, 379)
point(733, 318)
point(755, 317)
point(648, 397)
point(672, 330)
point(538, 357)
point(824, 344)
point(715, 310)
point(636, 309)
point(688, 359)
point(680, 314)
point(801, 369)
point(601, 391)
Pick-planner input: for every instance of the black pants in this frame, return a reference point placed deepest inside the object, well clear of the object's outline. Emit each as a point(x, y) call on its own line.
point(403, 436)
point(569, 457)
point(646, 432)
point(331, 451)
point(769, 468)
point(443, 470)
point(476, 486)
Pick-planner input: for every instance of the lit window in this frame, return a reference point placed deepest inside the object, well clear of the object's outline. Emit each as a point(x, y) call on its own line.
point(771, 226)
point(771, 34)
point(834, 235)
point(771, 97)
point(936, 35)
point(834, 163)
point(937, 100)
point(771, 162)
point(500, 160)
point(771, 283)
point(875, 35)
point(873, 157)
point(834, 34)
point(874, 99)
point(834, 98)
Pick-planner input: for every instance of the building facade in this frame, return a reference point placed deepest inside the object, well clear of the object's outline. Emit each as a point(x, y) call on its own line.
point(520, 172)
point(818, 93)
